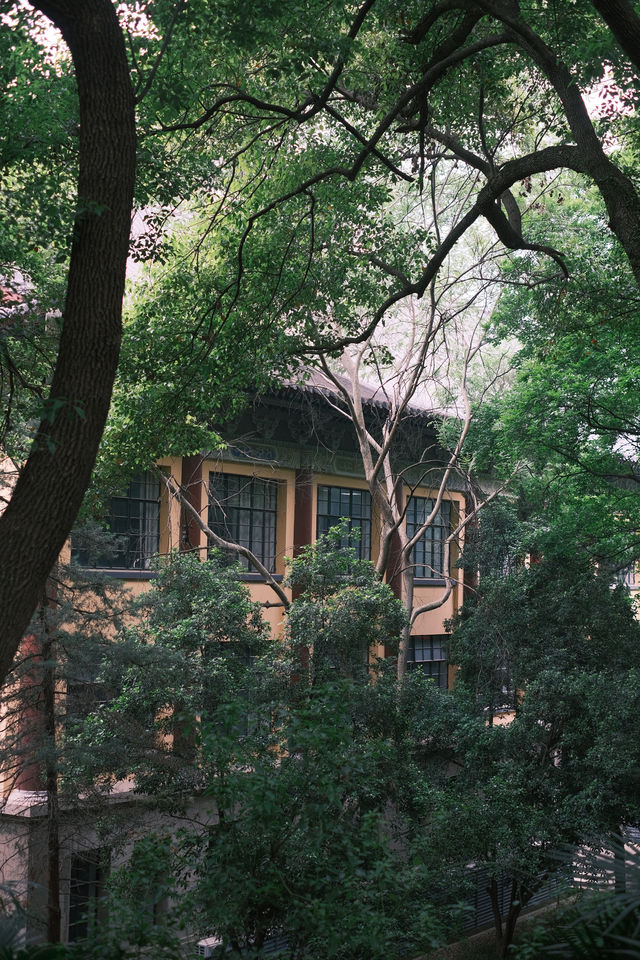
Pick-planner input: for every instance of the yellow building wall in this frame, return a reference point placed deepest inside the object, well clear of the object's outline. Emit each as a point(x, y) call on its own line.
point(429, 623)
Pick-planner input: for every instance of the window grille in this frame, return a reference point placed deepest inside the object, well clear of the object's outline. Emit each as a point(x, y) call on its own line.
point(427, 555)
point(336, 503)
point(243, 510)
point(134, 520)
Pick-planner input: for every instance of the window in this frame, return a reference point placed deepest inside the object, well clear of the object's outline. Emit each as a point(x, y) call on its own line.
point(430, 655)
point(244, 510)
point(627, 576)
point(83, 698)
point(334, 503)
point(89, 872)
point(134, 522)
point(427, 556)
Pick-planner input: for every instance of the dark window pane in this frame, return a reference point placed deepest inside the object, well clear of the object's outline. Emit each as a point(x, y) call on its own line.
point(86, 888)
point(243, 510)
point(427, 555)
point(352, 504)
point(430, 656)
point(135, 519)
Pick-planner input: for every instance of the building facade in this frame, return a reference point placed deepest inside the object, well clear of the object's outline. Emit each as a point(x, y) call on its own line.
point(288, 471)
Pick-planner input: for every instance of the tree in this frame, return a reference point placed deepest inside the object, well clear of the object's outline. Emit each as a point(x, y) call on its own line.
point(50, 689)
point(290, 773)
point(554, 644)
point(342, 611)
point(410, 419)
point(345, 305)
point(319, 82)
point(187, 659)
point(368, 126)
point(49, 491)
point(412, 416)
point(570, 413)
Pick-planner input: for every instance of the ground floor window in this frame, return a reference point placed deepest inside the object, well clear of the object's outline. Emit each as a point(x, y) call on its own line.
point(89, 871)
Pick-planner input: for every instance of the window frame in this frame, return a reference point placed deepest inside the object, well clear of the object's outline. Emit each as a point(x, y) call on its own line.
point(429, 642)
point(231, 532)
point(136, 560)
point(88, 874)
point(364, 520)
point(431, 540)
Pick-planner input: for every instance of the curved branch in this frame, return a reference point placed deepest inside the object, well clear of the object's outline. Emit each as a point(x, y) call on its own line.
point(306, 110)
point(447, 139)
point(618, 191)
point(175, 491)
point(551, 158)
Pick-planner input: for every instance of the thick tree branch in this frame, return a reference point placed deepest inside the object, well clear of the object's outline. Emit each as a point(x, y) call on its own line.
point(617, 190)
point(624, 23)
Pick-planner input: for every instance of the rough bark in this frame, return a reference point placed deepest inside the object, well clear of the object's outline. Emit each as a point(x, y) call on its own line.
point(54, 916)
point(49, 491)
point(624, 23)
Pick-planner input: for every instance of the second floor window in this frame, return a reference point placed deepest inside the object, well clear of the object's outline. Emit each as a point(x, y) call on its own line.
point(427, 556)
point(430, 655)
point(243, 510)
point(334, 503)
point(134, 522)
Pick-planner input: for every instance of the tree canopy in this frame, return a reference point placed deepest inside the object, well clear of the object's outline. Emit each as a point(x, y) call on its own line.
point(278, 134)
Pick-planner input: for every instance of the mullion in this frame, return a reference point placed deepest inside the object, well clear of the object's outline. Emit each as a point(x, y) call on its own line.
point(333, 499)
point(242, 523)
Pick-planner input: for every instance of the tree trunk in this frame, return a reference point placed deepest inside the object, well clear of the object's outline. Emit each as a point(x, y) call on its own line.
point(405, 637)
point(49, 491)
point(515, 907)
point(497, 915)
point(619, 863)
point(624, 23)
point(51, 778)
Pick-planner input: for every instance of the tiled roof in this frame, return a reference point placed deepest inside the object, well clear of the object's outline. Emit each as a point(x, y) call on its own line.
point(315, 381)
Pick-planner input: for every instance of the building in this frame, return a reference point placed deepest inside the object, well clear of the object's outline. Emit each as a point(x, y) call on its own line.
point(289, 471)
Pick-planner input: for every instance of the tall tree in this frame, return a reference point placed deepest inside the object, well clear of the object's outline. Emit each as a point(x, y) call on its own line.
point(50, 488)
point(570, 415)
point(554, 647)
point(412, 415)
point(287, 122)
point(286, 781)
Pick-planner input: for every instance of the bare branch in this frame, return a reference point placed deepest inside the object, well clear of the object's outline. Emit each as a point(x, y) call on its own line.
point(175, 490)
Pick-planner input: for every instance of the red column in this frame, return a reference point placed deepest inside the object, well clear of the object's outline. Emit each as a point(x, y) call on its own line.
point(30, 722)
point(303, 510)
point(192, 486)
point(303, 533)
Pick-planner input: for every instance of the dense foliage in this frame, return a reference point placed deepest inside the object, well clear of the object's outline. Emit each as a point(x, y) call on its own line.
point(283, 150)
